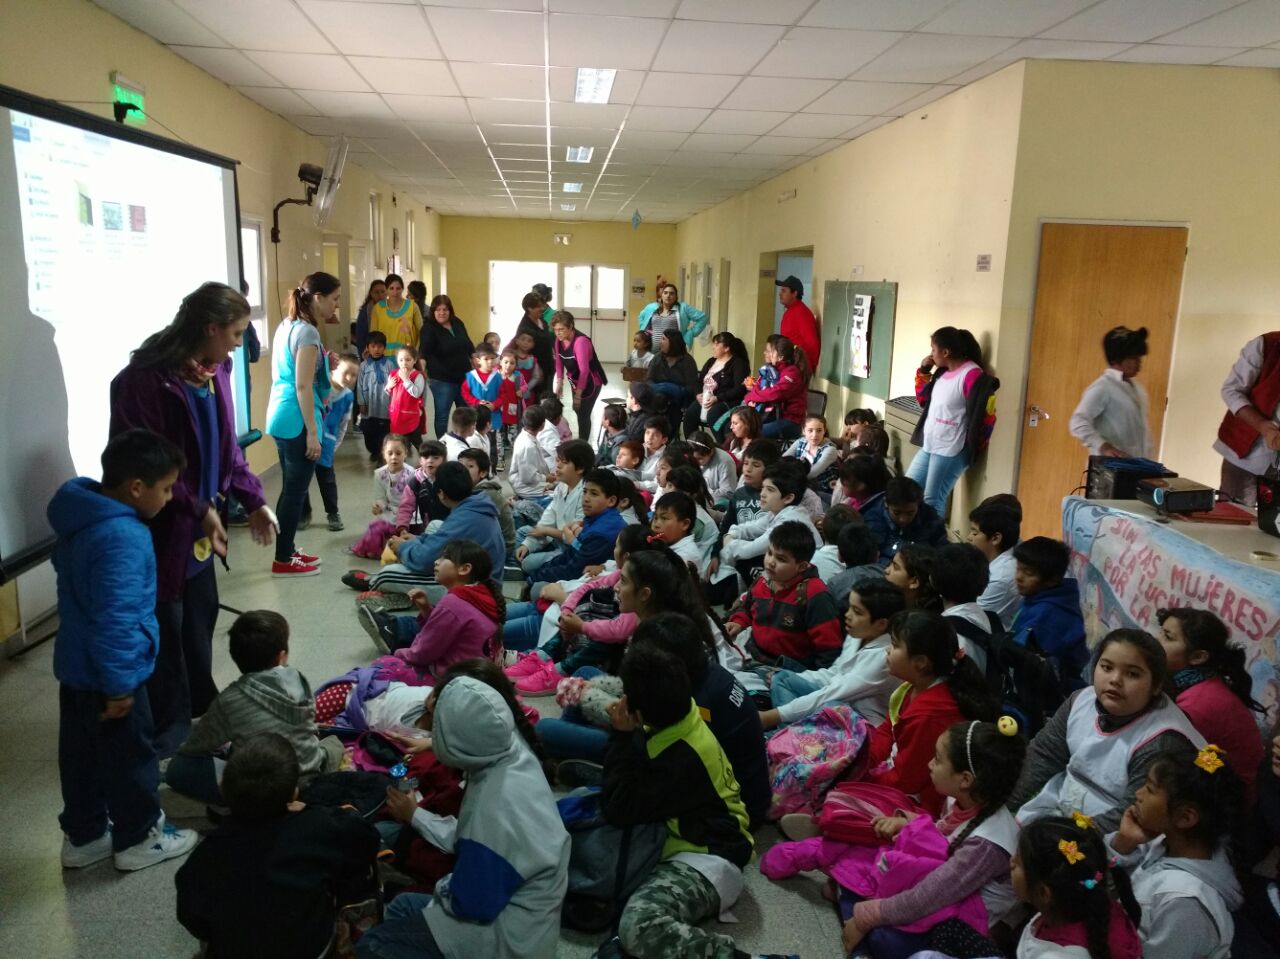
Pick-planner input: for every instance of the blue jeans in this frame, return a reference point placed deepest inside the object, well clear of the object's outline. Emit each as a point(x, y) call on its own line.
point(787, 686)
point(403, 933)
point(535, 561)
point(195, 776)
point(781, 430)
point(108, 769)
point(296, 473)
point(571, 736)
point(937, 475)
point(443, 397)
point(678, 397)
point(520, 632)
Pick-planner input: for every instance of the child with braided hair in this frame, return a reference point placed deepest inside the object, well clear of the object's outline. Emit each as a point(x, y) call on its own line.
point(1084, 908)
point(1178, 837)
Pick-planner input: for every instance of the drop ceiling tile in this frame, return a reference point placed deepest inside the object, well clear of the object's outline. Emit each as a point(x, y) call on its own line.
point(600, 140)
point(826, 147)
point(864, 97)
point(1003, 18)
point(446, 109)
point(330, 104)
point(759, 93)
point(718, 47)
point(592, 41)
point(164, 21)
point(666, 118)
point(277, 99)
point(1254, 58)
point(638, 155)
point(398, 75)
point(321, 127)
point(527, 134)
point(685, 89)
point(518, 151)
point(375, 30)
point(873, 124)
point(310, 71)
point(446, 132)
point(1251, 24)
point(259, 25)
point(759, 161)
point(588, 114)
point(509, 111)
point(498, 37)
point(923, 99)
point(873, 14)
point(1136, 22)
point(650, 140)
point(1168, 53)
point(824, 53)
point(720, 142)
point(744, 11)
point(504, 80)
point(931, 58)
point(785, 146)
point(817, 125)
point(701, 157)
point(229, 66)
point(742, 121)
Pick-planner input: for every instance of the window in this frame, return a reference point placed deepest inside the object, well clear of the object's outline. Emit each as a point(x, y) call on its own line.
point(251, 251)
point(375, 225)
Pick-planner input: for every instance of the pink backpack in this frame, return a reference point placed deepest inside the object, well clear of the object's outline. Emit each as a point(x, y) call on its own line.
point(807, 757)
point(849, 809)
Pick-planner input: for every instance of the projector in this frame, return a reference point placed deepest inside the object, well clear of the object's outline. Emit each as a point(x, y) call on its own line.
point(1175, 494)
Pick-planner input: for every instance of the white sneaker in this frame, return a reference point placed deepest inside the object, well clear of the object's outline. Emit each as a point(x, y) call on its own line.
point(164, 841)
point(77, 857)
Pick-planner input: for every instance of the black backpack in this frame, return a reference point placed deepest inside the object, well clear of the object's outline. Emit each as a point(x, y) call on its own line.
point(1020, 677)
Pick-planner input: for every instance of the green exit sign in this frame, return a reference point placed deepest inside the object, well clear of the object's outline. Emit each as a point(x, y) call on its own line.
point(124, 90)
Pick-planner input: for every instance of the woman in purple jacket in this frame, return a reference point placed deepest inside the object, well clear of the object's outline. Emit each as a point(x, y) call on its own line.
point(178, 384)
point(576, 362)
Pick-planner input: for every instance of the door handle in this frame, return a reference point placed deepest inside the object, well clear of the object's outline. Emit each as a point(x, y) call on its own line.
point(1035, 414)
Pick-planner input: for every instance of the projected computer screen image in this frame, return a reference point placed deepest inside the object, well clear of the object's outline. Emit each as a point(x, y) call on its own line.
point(102, 233)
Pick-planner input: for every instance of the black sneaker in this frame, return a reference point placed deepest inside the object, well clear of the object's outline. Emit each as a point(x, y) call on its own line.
point(576, 773)
point(356, 579)
point(380, 627)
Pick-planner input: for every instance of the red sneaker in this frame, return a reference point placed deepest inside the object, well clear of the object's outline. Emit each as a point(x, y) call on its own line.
point(306, 558)
point(295, 567)
point(543, 682)
point(526, 665)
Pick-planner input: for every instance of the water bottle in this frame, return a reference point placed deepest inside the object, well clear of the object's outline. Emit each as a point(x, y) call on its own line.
point(403, 781)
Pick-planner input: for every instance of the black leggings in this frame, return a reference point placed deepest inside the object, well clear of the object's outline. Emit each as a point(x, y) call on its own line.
point(586, 406)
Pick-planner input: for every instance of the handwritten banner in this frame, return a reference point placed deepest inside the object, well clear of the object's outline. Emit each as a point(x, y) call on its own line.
point(1129, 567)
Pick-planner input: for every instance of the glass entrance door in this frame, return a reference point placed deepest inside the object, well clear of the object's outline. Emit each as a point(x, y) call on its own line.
point(596, 295)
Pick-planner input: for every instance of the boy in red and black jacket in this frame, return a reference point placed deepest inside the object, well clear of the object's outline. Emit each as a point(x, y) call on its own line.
point(792, 616)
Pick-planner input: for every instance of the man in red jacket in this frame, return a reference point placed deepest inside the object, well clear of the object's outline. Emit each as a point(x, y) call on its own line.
point(799, 325)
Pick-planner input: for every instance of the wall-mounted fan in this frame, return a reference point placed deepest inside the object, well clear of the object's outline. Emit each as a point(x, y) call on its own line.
point(322, 185)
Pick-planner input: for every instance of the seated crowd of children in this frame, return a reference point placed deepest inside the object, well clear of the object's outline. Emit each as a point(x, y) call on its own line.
point(738, 633)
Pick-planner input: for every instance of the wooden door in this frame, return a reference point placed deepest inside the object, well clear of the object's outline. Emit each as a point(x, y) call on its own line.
point(1091, 278)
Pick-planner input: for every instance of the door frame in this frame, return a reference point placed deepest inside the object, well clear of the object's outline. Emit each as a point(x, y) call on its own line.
point(1031, 317)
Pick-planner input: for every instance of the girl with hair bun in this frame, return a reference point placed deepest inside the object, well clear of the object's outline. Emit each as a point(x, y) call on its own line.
point(1208, 681)
point(1085, 909)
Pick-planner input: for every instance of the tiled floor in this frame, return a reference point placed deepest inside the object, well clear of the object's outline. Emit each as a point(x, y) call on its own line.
point(50, 913)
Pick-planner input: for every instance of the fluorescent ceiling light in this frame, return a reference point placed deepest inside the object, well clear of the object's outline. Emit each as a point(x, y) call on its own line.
point(594, 85)
point(572, 188)
point(568, 207)
point(578, 154)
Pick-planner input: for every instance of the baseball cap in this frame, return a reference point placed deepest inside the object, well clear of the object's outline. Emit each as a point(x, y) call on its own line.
point(792, 284)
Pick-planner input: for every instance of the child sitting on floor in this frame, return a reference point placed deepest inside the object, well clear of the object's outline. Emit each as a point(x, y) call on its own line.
point(827, 558)
point(269, 696)
point(995, 528)
point(466, 623)
point(902, 516)
point(613, 422)
point(540, 541)
point(818, 453)
point(1084, 907)
point(791, 615)
point(462, 431)
point(627, 458)
point(555, 418)
point(389, 483)
point(859, 553)
point(780, 493)
point(673, 522)
point(420, 503)
point(861, 482)
point(587, 541)
point(270, 879)
point(529, 473)
point(1050, 619)
point(911, 570)
point(859, 677)
point(1096, 750)
point(1176, 839)
point(719, 469)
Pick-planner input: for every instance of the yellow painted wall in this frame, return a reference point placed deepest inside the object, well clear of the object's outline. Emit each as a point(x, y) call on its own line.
point(469, 243)
point(913, 202)
point(1150, 143)
point(91, 42)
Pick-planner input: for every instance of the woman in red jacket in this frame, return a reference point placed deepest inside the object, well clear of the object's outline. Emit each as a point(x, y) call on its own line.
point(785, 401)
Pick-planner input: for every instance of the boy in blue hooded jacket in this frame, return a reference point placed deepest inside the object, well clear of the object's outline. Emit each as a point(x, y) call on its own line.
point(1050, 613)
point(105, 649)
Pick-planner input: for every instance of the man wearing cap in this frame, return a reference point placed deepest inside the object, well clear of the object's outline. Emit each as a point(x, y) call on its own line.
point(1111, 419)
point(1249, 436)
point(670, 314)
point(799, 325)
